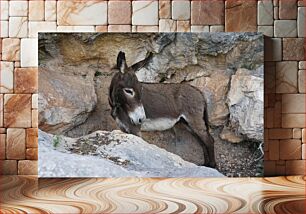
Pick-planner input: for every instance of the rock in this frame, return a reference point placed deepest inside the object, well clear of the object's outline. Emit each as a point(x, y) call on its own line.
point(111, 154)
point(229, 136)
point(65, 100)
point(245, 101)
point(214, 89)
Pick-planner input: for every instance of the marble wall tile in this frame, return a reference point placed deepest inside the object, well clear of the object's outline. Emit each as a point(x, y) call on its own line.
point(6, 78)
point(32, 138)
point(26, 80)
point(119, 28)
point(199, 28)
point(4, 9)
point(207, 12)
point(15, 144)
point(293, 120)
point(301, 81)
point(119, 12)
point(297, 133)
point(146, 28)
point(17, 110)
point(2, 146)
point(294, 49)
point(34, 101)
point(280, 134)
point(165, 9)
point(183, 26)
point(18, 8)
point(287, 9)
point(11, 49)
point(265, 12)
point(36, 26)
point(18, 27)
point(67, 29)
point(216, 28)
point(286, 77)
point(36, 10)
point(27, 167)
point(285, 28)
point(145, 13)
point(1, 110)
point(167, 25)
point(91, 12)
point(293, 103)
point(180, 10)
point(4, 32)
point(50, 10)
point(241, 16)
point(8, 167)
point(290, 149)
point(29, 53)
point(301, 21)
point(266, 30)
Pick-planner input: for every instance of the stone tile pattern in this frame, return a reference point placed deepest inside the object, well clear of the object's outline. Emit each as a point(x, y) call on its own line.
point(283, 20)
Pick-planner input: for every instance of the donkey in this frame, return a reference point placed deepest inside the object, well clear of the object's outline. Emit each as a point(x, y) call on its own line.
point(137, 106)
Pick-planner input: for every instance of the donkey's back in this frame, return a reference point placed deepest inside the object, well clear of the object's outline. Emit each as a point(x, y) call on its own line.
point(170, 102)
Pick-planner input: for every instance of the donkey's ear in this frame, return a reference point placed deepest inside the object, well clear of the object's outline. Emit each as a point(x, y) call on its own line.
point(142, 63)
point(121, 62)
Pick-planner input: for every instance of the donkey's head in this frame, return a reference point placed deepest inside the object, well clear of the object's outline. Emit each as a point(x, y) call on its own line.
point(125, 95)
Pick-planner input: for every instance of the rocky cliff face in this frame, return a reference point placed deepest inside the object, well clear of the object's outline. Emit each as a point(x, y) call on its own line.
point(76, 69)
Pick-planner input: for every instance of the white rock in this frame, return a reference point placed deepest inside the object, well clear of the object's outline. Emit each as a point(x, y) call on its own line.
point(4, 6)
point(18, 27)
point(115, 155)
point(4, 29)
point(145, 13)
point(6, 84)
point(29, 53)
point(18, 8)
point(180, 10)
point(245, 101)
point(265, 12)
point(36, 26)
point(301, 22)
point(82, 12)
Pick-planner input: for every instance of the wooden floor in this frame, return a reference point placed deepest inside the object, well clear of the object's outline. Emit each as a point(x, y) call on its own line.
point(138, 195)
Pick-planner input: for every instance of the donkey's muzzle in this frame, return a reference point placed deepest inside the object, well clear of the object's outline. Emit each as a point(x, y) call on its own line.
point(138, 115)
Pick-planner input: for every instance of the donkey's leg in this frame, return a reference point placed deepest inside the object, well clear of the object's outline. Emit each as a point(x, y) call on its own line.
point(198, 127)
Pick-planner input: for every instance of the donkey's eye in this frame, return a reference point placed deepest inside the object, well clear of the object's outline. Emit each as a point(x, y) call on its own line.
point(129, 91)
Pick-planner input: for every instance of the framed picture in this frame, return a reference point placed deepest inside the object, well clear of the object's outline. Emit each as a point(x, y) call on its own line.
point(151, 104)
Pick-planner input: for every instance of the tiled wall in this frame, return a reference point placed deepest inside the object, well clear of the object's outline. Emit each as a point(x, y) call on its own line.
point(283, 20)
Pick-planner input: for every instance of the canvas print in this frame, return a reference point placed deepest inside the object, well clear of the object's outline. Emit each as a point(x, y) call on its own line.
point(151, 104)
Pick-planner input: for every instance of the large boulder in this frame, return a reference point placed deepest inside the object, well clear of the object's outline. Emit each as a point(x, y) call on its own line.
point(245, 101)
point(65, 99)
point(111, 154)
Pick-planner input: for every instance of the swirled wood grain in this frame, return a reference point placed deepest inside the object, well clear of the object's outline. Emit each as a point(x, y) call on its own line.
point(139, 195)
